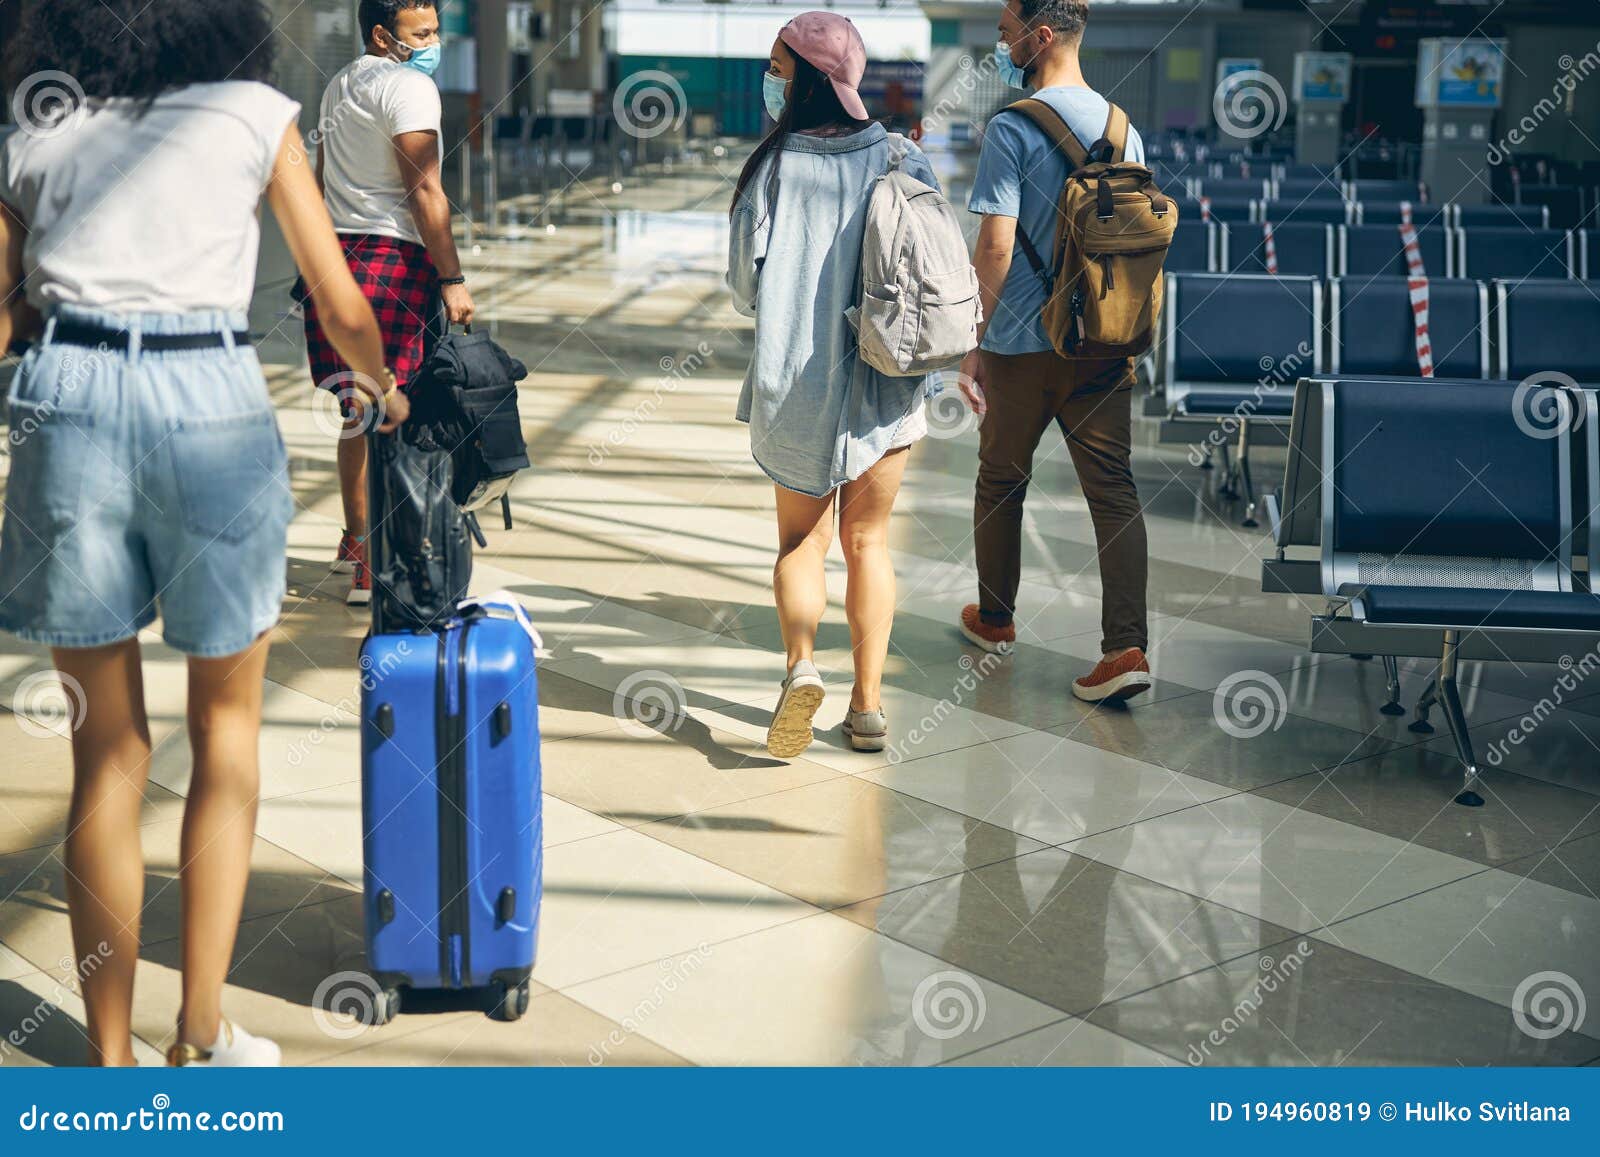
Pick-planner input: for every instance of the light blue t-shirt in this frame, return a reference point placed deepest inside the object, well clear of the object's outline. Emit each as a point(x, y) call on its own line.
point(1020, 174)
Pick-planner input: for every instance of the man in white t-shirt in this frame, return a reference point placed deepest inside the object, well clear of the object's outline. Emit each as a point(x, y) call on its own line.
point(379, 162)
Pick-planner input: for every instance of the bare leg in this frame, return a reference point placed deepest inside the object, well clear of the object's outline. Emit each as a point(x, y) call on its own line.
point(105, 865)
point(864, 509)
point(218, 827)
point(353, 478)
point(799, 586)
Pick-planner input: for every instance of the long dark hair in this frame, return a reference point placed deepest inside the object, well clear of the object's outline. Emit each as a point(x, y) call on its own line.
point(812, 104)
point(139, 49)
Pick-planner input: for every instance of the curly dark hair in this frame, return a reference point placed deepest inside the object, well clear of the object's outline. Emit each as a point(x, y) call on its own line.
point(139, 49)
point(374, 14)
point(1067, 17)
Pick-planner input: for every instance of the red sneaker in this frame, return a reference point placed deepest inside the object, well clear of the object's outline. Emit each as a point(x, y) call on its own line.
point(1115, 680)
point(360, 584)
point(349, 550)
point(998, 640)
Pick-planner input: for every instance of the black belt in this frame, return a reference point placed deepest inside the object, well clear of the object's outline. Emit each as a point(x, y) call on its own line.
point(94, 336)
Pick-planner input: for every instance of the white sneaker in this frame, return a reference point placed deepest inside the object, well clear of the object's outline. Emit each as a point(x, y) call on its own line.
point(234, 1049)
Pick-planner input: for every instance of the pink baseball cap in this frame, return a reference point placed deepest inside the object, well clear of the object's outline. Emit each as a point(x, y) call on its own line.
point(832, 44)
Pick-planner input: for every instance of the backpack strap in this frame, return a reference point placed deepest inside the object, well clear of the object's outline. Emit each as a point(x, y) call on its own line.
point(1115, 137)
point(1050, 122)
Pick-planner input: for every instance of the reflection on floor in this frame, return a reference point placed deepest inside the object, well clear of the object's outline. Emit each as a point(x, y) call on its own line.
point(1019, 880)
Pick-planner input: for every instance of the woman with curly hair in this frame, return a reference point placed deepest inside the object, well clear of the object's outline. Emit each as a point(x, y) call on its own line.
point(148, 477)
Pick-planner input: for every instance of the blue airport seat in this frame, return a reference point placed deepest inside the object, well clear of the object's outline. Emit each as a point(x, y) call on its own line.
point(1379, 251)
point(1370, 190)
point(1309, 189)
point(1221, 209)
point(1565, 203)
point(1304, 248)
point(1587, 243)
point(1548, 327)
point(1469, 558)
point(1234, 188)
point(1374, 328)
point(1528, 216)
point(1300, 171)
point(1514, 252)
point(1393, 212)
point(1194, 245)
point(1325, 212)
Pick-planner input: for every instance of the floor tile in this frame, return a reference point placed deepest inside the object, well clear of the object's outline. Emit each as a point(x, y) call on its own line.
point(1487, 935)
point(1574, 865)
point(1307, 1002)
point(839, 841)
point(819, 991)
point(1017, 922)
point(1067, 1042)
point(1045, 786)
point(556, 1030)
point(637, 775)
point(1410, 794)
point(42, 1023)
point(619, 900)
point(1289, 867)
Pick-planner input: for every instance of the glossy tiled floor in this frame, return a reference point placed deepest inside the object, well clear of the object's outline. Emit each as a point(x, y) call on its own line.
point(1020, 881)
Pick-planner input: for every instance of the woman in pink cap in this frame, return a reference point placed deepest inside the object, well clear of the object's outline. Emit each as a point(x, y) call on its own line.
point(829, 429)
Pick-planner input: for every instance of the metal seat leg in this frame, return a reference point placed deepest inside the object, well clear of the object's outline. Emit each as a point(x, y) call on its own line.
point(1391, 670)
point(1430, 696)
point(1225, 488)
point(1244, 475)
point(1457, 720)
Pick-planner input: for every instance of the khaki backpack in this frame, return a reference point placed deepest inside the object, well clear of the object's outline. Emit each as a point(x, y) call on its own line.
point(1113, 228)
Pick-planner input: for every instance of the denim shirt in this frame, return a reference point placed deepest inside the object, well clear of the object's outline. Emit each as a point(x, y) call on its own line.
point(819, 416)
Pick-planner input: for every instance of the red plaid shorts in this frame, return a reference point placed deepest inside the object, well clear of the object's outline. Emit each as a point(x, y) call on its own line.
point(399, 279)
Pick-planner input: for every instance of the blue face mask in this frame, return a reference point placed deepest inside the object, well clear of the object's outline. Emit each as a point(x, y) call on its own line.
point(425, 60)
point(772, 94)
point(1011, 73)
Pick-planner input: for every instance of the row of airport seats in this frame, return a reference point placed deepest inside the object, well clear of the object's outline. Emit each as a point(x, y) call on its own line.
point(1317, 249)
point(1441, 519)
point(1232, 346)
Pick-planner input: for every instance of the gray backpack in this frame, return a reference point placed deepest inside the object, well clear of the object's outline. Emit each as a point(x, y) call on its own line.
point(919, 308)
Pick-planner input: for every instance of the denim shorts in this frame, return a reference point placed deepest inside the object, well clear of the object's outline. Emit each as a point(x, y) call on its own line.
point(143, 484)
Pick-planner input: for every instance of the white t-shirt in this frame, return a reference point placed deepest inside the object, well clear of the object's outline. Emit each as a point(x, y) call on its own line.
point(371, 101)
point(148, 212)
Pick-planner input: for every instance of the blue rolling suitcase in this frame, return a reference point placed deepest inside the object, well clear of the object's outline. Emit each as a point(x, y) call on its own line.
point(451, 818)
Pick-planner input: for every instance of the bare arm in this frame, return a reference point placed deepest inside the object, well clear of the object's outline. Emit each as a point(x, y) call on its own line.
point(17, 317)
point(418, 154)
point(992, 262)
point(341, 307)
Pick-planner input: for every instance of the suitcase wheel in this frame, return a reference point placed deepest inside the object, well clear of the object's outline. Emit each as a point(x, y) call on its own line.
point(510, 1004)
point(385, 1007)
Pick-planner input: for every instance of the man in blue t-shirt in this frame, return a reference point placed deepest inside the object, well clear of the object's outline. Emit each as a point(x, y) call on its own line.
point(1019, 383)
